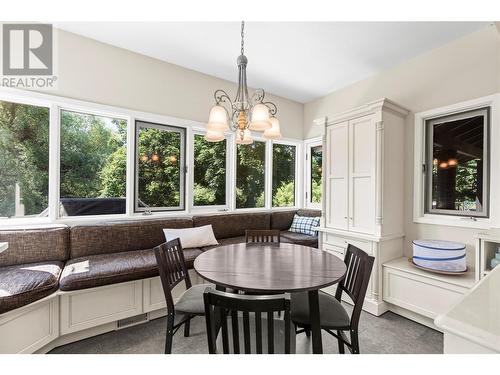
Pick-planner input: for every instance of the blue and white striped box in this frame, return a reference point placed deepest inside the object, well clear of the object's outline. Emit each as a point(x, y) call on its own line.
point(440, 255)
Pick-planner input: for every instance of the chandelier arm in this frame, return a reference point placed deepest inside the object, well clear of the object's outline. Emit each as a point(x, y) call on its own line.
point(257, 96)
point(273, 109)
point(221, 96)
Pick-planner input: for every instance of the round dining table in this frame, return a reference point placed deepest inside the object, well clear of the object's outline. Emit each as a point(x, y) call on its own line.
point(269, 268)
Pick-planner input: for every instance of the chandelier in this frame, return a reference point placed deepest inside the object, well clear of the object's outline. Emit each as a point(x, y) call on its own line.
point(244, 114)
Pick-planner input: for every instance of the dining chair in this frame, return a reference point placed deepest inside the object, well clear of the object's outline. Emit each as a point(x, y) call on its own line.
point(334, 319)
point(246, 324)
point(263, 236)
point(173, 270)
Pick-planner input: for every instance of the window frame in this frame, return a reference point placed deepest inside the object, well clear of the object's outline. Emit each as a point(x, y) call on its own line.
point(429, 139)
point(297, 177)
point(182, 165)
point(209, 208)
point(420, 216)
point(308, 145)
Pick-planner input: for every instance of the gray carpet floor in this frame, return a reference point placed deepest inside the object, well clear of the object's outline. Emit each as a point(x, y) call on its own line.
point(388, 334)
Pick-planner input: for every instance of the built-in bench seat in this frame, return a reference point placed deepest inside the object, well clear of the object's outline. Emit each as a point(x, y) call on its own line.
point(77, 264)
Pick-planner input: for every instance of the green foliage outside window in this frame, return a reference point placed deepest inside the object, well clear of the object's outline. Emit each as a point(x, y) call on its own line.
point(250, 176)
point(24, 158)
point(283, 175)
point(316, 173)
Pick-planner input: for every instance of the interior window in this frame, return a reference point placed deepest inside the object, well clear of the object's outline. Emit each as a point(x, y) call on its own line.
point(457, 169)
point(283, 175)
point(316, 174)
point(250, 175)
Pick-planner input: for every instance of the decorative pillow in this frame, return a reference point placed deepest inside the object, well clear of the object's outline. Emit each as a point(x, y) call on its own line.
point(192, 237)
point(304, 225)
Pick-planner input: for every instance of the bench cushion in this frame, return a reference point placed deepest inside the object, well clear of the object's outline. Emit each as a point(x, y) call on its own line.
point(299, 239)
point(104, 269)
point(226, 241)
point(23, 284)
point(309, 212)
point(234, 225)
point(115, 237)
point(282, 219)
point(34, 244)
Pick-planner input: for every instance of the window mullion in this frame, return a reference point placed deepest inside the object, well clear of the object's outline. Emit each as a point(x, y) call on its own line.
point(54, 161)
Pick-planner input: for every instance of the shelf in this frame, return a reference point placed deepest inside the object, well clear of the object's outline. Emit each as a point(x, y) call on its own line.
point(466, 280)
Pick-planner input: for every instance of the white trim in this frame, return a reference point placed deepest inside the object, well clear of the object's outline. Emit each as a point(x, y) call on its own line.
point(419, 215)
point(57, 103)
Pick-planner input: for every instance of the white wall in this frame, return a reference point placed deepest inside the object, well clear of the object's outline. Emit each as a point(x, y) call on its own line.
point(93, 71)
point(464, 69)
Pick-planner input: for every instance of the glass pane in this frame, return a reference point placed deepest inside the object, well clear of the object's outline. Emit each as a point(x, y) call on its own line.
point(283, 175)
point(24, 160)
point(458, 158)
point(159, 167)
point(93, 164)
point(250, 176)
point(316, 173)
point(209, 172)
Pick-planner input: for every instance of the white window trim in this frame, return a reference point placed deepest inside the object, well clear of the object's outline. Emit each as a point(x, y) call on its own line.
point(419, 215)
point(308, 144)
point(58, 103)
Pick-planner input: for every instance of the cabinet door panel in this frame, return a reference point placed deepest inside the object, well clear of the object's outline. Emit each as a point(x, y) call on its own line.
point(362, 216)
point(337, 173)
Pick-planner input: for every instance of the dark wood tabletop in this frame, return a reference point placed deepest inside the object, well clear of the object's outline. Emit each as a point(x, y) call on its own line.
point(270, 267)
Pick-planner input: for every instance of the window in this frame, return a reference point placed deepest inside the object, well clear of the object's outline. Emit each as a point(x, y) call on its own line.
point(250, 175)
point(160, 172)
point(316, 173)
point(92, 164)
point(209, 174)
point(24, 160)
point(456, 166)
point(283, 175)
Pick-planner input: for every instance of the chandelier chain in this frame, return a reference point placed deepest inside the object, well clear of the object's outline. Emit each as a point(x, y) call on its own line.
point(242, 37)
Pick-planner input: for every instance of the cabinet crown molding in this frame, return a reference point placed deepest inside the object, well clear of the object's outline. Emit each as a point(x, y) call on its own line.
point(375, 106)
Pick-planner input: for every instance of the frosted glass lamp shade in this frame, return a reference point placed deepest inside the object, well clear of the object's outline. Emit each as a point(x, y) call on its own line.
point(260, 118)
point(274, 132)
point(217, 120)
point(247, 138)
point(214, 136)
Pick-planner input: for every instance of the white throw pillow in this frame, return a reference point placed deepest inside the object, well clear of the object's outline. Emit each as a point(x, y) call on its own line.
point(192, 237)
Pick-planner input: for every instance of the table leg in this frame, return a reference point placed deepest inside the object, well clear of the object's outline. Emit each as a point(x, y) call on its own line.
point(315, 322)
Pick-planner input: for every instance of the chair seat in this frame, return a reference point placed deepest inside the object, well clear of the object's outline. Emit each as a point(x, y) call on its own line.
point(23, 284)
point(191, 301)
point(332, 314)
point(279, 336)
point(104, 269)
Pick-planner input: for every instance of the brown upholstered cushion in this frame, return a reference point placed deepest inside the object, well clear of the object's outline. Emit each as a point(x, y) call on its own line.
point(34, 244)
point(282, 220)
point(234, 225)
point(226, 241)
point(115, 237)
point(25, 283)
point(309, 212)
point(105, 269)
point(299, 239)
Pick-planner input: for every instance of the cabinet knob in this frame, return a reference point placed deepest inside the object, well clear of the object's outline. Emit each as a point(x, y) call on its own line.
point(345, 217)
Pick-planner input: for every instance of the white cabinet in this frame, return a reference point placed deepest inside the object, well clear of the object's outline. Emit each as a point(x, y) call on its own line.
point(363, 190)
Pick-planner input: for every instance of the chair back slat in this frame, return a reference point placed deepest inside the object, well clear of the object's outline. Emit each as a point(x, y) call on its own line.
point(241, 308)
point(172, 268)
point(359, 267)
point(262, 236)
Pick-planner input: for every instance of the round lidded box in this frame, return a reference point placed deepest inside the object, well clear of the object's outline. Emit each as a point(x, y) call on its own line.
point(439, 255)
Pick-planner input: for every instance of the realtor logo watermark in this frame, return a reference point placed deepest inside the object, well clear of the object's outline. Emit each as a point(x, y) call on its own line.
point(28, 56)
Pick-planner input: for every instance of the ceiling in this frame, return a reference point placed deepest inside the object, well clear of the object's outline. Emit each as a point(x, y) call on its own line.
point(297, 60)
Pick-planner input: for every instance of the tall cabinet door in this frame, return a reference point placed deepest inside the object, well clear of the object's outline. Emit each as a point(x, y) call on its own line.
point(361, 175)
point(337, 174)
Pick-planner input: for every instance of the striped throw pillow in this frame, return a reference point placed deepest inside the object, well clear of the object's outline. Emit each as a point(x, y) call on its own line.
point(304, 225)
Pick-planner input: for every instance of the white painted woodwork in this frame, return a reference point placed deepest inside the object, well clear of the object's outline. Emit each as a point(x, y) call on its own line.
point(487, 243)
point(363, 205)
point(29, 328)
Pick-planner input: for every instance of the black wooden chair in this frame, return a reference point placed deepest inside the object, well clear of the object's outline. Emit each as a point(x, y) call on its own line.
point(173, 270)
point(262, 236)
point(235, 322)
point(333, 317)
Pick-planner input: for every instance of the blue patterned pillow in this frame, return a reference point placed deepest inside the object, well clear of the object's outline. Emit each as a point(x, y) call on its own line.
point(304, 225)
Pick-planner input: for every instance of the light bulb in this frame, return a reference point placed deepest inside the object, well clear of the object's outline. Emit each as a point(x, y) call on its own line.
point(247, 138)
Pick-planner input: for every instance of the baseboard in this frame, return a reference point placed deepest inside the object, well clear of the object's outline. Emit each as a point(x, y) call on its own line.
point(413, 316)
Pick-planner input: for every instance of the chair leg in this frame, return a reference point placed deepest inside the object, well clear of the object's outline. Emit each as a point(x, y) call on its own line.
point(307, 332)
point(170, 334)
point(186, 328)
point(341, 342)
point(354, 342)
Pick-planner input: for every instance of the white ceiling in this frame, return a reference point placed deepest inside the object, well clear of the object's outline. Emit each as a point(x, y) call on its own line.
point(297, 60)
